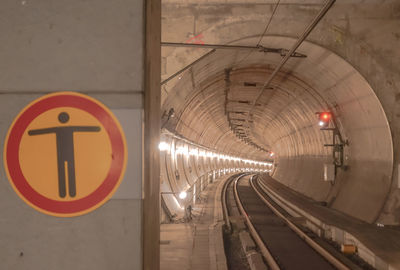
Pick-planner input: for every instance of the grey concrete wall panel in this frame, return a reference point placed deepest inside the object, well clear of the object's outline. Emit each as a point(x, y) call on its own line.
point(131, 122)
point(94, 47)
point(108, 238)
point(71, 45)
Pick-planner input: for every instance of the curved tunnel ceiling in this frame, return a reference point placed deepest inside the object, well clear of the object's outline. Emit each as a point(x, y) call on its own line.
point(212, 101)
point(208, 102)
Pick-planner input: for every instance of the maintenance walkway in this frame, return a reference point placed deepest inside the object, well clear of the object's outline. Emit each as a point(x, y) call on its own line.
point(196, 245)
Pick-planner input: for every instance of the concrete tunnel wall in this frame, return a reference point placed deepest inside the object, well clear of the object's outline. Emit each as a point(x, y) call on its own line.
point(188, 167)
point(345, 71)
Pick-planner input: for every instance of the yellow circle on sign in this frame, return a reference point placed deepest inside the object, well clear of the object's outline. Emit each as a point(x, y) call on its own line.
point(65, 154)
point(92, 155)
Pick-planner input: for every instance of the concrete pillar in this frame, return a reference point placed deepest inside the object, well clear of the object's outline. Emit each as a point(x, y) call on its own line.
point(108, 50)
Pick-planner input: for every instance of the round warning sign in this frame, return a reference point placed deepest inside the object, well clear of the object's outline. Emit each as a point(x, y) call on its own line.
point(65, 154)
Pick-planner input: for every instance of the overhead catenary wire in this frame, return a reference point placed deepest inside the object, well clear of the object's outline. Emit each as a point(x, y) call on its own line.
point(305, 34)
point(262, 34)
point(186, 67)
point(258, 45)
point(268, 23)
point(215, 46)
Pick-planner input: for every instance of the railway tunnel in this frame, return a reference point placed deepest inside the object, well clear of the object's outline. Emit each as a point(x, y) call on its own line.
point(226, 91)
point(220, 102)
point(195, 129)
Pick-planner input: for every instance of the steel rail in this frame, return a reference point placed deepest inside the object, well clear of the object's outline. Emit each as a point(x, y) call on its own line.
point(264, 250)
point(324, 253)
point(224, 203)
point(286, 206)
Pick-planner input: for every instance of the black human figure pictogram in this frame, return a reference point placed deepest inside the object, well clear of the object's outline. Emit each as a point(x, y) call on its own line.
point(65, 151)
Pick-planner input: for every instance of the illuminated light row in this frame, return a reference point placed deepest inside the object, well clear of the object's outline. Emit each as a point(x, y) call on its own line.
point(194, 152)
point(183, 150)
point(163, 146)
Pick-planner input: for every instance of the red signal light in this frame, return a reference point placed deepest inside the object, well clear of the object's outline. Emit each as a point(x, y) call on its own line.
point(324, 118)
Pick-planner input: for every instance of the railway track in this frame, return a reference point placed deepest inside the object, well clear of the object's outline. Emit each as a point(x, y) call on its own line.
point(280, 241)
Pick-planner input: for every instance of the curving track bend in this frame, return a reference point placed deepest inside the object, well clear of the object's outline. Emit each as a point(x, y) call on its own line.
point(283, 247)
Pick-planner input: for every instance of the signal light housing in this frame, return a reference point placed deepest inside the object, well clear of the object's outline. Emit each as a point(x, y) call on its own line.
point(324, 119)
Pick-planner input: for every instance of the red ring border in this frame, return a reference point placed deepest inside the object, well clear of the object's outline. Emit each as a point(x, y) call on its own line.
point(98, 196)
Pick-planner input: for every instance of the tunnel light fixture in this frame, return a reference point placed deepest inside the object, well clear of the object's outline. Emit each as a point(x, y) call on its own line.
point(182, 150)
point(194, 152)
point(163, 146)
point(271, 154)
point(183, 195)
